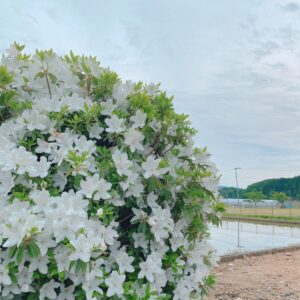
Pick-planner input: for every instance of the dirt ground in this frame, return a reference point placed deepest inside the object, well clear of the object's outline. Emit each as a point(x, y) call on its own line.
point(266, 277)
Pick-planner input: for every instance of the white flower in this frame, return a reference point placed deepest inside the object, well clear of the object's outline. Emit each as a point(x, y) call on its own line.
point(151, 167)
point(4, 277)
point(20, 159)
point(6, 182)
point(75, 102)
point(43, 147)
point(45, 242)
point(48, 290)
point(161, 223)
point(122, 163)
point(39, 168)
point(8, 290)
point(23, 161)
point(61, 256)
point(95, 185)
point(100, 212)
point(110, 234)
point(138, 119)
point(211, 184)
point(182, 291)
point(172, 130)
point(66, 293)
point(18, 224)
point(135, 189)
point(60, 180)
point(121, 92)
point(178, 239)
point(93, 65)
point(108, 107)
point(95, 131)
point(185, 150)
point(25, 279)
point(115, 284)
point(134, 139)
point(156, 125)
point(115, 125)
point(39, 263)
point(124, 261)
point(45, 106)
point(35, 120)
point(63, 228)
point(152, 88)
point(82, 249)
point(140, 240)
point(139, 215)
point(151, 266)
point(158, 249)
point(82, 145)
point(90, 286)
point(116, 200)
point(151, 200)
point(41, 199)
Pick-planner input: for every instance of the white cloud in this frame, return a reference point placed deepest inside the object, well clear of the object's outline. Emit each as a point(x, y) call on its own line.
point(233, 65)
point(291, 7)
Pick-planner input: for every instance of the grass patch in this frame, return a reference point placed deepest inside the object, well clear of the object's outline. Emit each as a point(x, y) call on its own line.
point(265, 211)
point(263, 217)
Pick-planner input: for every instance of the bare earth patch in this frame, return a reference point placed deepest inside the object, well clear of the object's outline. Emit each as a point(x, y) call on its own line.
point(266, 277)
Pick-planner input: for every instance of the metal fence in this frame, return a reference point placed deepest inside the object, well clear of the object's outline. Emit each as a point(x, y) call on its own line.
point(266, 229)
point(288, 209)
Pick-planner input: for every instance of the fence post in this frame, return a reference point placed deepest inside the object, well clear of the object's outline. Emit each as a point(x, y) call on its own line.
point(272, 210)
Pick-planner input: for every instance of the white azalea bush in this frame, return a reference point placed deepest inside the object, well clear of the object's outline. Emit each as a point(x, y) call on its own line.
point(102, 193)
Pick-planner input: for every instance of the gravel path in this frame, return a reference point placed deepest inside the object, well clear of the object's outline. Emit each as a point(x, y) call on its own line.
point(266, 277)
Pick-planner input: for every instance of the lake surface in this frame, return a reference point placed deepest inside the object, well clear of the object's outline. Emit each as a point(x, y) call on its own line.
point(253, 237)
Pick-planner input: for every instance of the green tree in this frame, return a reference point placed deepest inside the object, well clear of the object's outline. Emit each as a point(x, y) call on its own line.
point(289, 186)
point(280, 197)
point(230, 192)
point(254, 197)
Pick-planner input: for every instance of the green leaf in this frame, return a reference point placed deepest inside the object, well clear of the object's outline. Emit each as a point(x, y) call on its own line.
point(40, 75)
point(32, 296)
point(5, 76)
point(13, 277)
point(33, 249)
point(81, 266)
point(20, 254)
point(61, 276)
point(52, 77)
point(12, 251)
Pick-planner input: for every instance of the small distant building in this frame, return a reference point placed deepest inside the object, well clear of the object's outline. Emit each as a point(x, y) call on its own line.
point(248, 203)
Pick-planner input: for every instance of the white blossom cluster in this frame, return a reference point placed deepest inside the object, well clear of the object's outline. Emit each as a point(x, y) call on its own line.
point(102, 192)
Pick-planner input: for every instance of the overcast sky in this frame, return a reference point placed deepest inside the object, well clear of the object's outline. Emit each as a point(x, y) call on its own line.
point(233, 66)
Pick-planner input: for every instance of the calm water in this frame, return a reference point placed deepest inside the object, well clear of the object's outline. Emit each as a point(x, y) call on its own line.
point(253, 237)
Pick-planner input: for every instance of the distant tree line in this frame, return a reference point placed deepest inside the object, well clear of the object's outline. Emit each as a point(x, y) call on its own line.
point(281, 189)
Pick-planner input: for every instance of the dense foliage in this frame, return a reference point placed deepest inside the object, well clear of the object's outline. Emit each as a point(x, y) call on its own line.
point(254, 196)
point(280, 196)
point(102, 192)
point(230, 192)
point(288, 186)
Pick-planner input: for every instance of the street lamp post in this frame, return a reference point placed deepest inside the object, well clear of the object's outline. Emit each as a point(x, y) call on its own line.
point(238, 198)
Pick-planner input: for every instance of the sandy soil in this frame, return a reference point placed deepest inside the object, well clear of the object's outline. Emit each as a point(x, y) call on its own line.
point(267, 277)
